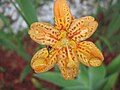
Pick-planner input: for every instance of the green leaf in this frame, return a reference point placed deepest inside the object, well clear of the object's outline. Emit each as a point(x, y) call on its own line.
point(106, 41)
point(101, 84)
point(115, 39)
point(114, 25)
point(36, 83)
point(57, 79)
point(28, 10)
point(6, 42)
point(111, 82)
point(96, 75)
point(84, 79)
point(98, 44)
point(80, 87)
point(25, 72)
point(114, 66)
point(83, 76)
point(23, 54)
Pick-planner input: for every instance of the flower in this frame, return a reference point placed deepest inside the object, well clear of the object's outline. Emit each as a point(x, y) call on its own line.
point(67, 41)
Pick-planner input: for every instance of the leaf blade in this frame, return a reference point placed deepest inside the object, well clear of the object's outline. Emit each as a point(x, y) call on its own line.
point(56, 78)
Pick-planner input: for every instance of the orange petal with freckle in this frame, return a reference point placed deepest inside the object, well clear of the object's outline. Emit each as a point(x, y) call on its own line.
point(63, 16)
point(42, 61)
point(89, 54)
point(81, 29)
point(44, 33)
point(68, 63)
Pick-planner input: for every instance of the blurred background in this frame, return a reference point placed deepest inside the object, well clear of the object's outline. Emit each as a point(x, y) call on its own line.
point(16, 47)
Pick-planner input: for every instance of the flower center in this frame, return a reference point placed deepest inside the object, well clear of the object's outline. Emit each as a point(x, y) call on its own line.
point(65, 41)
point(63, 38)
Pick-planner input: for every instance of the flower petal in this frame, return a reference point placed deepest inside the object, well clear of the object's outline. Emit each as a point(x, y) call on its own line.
point(43, 61)
point(82, 28)
point(89, 54)
point(63, 16)
point(68, 63)
point(44, 33)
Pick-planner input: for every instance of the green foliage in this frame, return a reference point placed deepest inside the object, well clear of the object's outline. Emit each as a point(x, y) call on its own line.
point(36, 83)
point(106, 41)
point(108, 31)
point(96, 75)
point(114, 66)
point(25, 72)
point(56, 78)
point(111, 80)
point(98, 44)
point(114, 25)
point(27, 10)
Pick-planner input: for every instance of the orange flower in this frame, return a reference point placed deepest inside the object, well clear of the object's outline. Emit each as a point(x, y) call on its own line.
point(67, 41)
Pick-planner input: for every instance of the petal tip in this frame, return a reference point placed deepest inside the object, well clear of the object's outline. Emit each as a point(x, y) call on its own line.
point(95, 62)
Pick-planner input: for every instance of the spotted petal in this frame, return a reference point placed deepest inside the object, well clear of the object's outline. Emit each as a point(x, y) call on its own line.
point(82, 28)
point(63, 16)
point(68, 63)
point(43, 61)
point(44, 33)
point(89, 54)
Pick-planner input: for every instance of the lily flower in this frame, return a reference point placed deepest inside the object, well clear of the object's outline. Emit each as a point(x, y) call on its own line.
point(67, 39)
